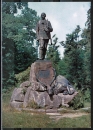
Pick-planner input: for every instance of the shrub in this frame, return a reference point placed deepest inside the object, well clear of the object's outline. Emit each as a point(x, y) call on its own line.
point(21, 77)
point(77, 102)
point(4, 90)
point(87, 95)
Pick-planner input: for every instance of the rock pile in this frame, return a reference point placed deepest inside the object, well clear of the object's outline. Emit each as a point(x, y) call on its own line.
point(34, 92)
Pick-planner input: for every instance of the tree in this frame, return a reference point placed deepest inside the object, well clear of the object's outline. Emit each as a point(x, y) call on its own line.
point(62, 67)
point(86, 39)
point(73, 57)
point(53, 53)
point(12, 7)
point(25, 53)
point(76, 64)
point(18, 51)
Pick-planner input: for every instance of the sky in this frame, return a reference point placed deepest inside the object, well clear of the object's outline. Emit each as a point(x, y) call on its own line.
point(64, 16)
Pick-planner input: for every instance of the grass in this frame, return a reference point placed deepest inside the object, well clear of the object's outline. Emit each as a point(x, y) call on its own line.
point(87, 104)
point(16, 119)
point(79, 122)
point(22, 119)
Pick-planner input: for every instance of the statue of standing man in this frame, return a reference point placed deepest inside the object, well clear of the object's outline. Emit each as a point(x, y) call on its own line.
point(43, 30)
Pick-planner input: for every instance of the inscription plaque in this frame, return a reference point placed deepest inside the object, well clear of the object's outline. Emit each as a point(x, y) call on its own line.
point(46, 77)
point(44, 73)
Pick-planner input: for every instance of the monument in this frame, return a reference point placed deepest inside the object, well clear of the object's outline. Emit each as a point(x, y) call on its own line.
point(44, 87)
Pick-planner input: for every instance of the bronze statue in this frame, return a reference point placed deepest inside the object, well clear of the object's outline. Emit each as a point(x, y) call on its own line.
point(43, 30)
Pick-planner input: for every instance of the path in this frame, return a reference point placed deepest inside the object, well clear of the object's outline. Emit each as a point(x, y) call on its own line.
point(57, 116)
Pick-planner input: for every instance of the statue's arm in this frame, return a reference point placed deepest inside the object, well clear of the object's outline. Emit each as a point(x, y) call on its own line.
point(50, 27)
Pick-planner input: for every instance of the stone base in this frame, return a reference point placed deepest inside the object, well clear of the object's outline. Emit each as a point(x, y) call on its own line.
point(34, 93)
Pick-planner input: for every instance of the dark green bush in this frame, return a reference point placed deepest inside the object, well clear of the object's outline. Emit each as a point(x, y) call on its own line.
point(87, 95)
point(77, 102)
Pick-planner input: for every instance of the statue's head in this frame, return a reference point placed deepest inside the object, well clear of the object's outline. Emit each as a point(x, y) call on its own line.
point(43, 15)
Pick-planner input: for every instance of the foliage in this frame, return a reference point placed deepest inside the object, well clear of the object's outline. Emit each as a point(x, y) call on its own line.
point(12, 7)
point(24, 56)
point(22, 76)
point(53, 53)
point(77, 102)
point(73, 57)
point(87, 94)
point(62, 67)
point(18, 51)
point(76, 56)
point(81, 99)
point(86, 39)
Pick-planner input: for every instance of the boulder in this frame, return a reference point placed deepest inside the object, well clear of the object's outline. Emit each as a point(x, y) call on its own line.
point(61, 79)
point(17, 95)
point(15, 104)
point(32, 95)
point(25, 84)
point(44, 100)
point(62, 85)
point(36, 86)
point(56, 101)
point(26, 97)
point(65, 99)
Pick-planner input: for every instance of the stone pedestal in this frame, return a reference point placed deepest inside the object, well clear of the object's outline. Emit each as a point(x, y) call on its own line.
point(43, 72)
point(34, 92)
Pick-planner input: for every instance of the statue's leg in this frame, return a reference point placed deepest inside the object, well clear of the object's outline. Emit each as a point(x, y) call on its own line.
point(41, 54)
point(41, 49)
point(45, 46)
point(44, 53)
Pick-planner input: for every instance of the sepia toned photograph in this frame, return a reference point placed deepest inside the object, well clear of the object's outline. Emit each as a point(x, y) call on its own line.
point(46, 65)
